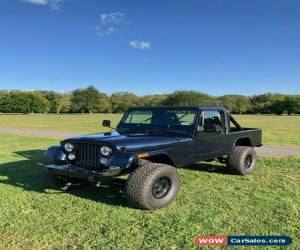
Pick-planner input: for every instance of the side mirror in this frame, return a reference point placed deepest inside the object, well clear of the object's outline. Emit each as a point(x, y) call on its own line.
point(106, 123)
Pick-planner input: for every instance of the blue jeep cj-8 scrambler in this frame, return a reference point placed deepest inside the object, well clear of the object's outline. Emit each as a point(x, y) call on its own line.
point(148, 144)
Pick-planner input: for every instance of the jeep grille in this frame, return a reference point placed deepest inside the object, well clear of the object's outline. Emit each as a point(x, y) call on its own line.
point(88, 154)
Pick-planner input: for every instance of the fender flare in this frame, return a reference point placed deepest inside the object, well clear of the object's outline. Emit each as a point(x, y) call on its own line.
point(56, 153)
point(242, 138)
point(163, 154)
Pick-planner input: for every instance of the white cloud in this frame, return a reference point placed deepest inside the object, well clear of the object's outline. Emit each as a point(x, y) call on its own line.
point(108, 23)
point(53, 4)
point(104, 31)
point(56, 4)
point(111, 18)
point(140, 45)
point(40, 2)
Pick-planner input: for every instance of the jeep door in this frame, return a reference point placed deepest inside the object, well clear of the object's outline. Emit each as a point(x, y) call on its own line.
point(211, 129)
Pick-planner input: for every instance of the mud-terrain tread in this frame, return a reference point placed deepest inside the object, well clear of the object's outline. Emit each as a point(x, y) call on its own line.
point(137, 183)
point(235, 160)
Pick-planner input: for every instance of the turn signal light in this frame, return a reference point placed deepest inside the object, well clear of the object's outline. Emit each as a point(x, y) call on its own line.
point(143, 155)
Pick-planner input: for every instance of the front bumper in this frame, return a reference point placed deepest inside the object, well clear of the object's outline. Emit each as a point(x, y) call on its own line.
point(73, 171)
point(118, 160)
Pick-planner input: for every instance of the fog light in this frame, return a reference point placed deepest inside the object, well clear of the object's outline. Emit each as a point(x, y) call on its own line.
point(71, 157)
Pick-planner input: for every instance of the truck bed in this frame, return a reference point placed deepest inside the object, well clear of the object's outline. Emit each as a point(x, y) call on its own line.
point(254, 135)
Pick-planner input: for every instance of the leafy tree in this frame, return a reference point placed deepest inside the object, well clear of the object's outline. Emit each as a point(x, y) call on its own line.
point(38, 103)
point(53, 98)
point(277, 107)
point(260, 103)
point(24, 102)
point(64, 104)
point(15, 103)
point(121, 101)
point(188, 98)
point(58, 102)
point(267, 103)
point(89, 100)
point(237, 104)
point(2, 94)
point(292, 104)
point(153, 100)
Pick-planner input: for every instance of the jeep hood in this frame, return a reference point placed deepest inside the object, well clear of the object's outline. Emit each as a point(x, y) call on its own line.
point(133, 142)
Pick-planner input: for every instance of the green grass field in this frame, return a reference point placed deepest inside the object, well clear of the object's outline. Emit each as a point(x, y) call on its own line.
point(210, 202)
point(276, 129)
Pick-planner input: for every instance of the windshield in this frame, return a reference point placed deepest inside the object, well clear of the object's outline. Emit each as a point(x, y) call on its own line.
point(181, 120)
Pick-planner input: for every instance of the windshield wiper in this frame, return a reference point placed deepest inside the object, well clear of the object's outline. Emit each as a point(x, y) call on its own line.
point(133, 130)
point(146, 120)
point(153, 131)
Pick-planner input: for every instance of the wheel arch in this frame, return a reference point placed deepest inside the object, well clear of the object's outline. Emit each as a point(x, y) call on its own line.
point(244, 141)
point(163, 158)
point(55, 153)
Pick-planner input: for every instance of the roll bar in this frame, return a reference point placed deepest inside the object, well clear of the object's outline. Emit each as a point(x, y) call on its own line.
point(235, 123)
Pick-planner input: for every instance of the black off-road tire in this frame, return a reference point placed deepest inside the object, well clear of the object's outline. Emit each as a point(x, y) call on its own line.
point(242, 160)
point(58, 182)
point(143, 185)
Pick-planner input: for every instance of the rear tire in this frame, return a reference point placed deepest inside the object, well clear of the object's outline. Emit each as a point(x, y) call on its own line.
point(242, 160)
point(152, 186)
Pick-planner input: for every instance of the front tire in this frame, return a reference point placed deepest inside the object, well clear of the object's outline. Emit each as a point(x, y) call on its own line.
point(152, 186)
point(242, 160)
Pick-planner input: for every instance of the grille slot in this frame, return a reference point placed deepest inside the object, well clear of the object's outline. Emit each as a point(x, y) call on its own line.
point(88, 154)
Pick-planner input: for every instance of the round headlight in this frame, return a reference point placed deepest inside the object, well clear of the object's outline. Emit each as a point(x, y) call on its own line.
point(69, 147)
point(105, 150)
point(71, 157)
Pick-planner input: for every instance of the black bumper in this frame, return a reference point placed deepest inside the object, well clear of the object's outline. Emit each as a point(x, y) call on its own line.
point(73, 171)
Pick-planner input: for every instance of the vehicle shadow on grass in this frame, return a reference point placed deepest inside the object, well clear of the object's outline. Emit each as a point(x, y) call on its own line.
point(213, 167)
point(28, 175)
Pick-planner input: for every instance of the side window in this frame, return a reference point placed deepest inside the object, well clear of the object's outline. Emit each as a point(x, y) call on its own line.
point(211, 122)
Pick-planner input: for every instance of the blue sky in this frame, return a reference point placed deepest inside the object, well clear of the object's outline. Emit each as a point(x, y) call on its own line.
point(217, 47)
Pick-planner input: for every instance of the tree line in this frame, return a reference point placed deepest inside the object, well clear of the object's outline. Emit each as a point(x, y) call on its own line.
point(91, 100)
